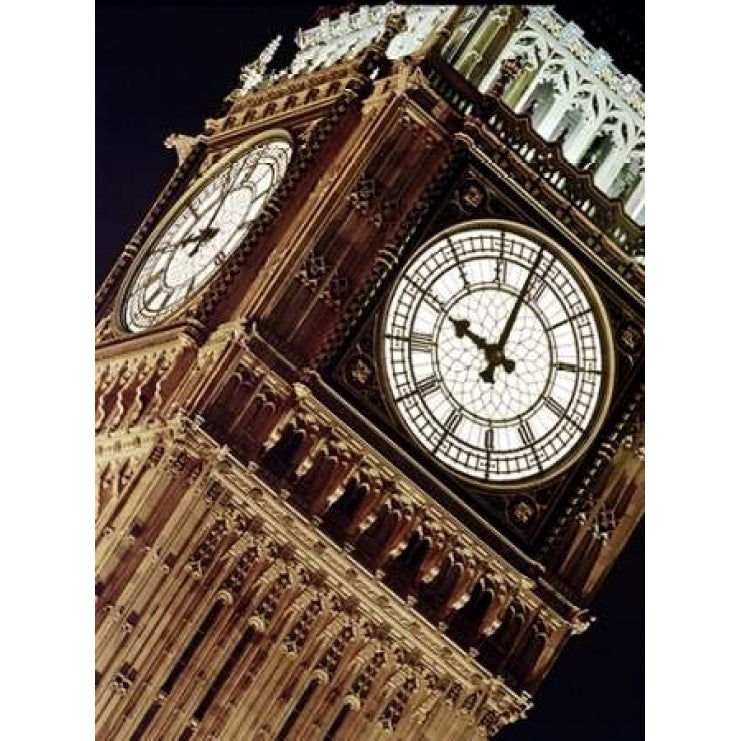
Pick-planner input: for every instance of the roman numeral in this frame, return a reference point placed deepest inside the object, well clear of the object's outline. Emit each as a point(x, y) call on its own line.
point(149, 289)
point(452, 421)
point(489, 439)
point(232, 175)
point(549, 262)
point(429, 297)
point(535, 290)
point(554, 406)
point(427, 385)
point(526, 433)
point(458, 262)
point(432, 300)
point(500, 271)
point(154, 278)
point(421, 342)
point(159, 291)
point(567, 320)
point(260, 193)
point(464, 276)
point(227, 178)
point(573, 368)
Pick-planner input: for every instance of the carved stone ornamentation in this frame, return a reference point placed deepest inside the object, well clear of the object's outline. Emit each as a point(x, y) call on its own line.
point(630, 338)
point(104, 329)
point(605, 523)
point(336, 291)
point(182, 144)
point(523, 512)
point(206, 551)
point(313, 270)
point(360, 371)
point(363, 194)
point(471, 196)
point(385, 212)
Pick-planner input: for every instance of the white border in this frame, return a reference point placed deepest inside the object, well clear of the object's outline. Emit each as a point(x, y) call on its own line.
point(694, 354)
point(47, 372)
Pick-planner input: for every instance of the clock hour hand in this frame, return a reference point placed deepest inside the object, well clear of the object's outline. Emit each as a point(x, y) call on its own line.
point(462, 330)
point(494, 356)
point(204, 235)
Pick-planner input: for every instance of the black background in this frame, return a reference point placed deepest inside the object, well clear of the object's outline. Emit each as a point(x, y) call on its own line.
point(163, 69)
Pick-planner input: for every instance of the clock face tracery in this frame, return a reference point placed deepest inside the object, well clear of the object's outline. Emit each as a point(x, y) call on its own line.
point(496, 354)
point(203, 231)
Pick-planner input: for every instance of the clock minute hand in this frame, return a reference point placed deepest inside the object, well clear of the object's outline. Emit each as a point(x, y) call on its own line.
point(495, 352)
point(518, 303)
point(209, 231)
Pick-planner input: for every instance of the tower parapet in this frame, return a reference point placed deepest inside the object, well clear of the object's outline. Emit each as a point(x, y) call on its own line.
point(569, 89)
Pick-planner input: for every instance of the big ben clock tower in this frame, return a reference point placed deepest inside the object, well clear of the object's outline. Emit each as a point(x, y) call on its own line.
point(369, 403)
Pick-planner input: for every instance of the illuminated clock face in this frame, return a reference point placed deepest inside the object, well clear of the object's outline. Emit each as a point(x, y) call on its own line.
point(202, 232)
point(496, 353)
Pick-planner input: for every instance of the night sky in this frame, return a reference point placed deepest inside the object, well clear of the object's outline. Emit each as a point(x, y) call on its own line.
point(166, 69)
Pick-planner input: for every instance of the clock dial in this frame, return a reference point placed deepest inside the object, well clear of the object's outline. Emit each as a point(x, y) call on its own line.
point(202, 232)
point(496, 353)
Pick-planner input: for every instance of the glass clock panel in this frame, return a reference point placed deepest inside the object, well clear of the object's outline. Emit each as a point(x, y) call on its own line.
point(494, 353)
point(202, 233)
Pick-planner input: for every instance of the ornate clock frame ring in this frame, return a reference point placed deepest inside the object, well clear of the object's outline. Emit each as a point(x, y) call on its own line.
point(151, 244)
point(488, 356)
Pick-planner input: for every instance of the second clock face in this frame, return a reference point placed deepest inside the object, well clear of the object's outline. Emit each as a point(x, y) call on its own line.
point(202, 232)
point(495, 353)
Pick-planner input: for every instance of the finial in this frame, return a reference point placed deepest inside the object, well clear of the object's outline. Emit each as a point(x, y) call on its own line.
point(269, 51)
point(254, 72)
